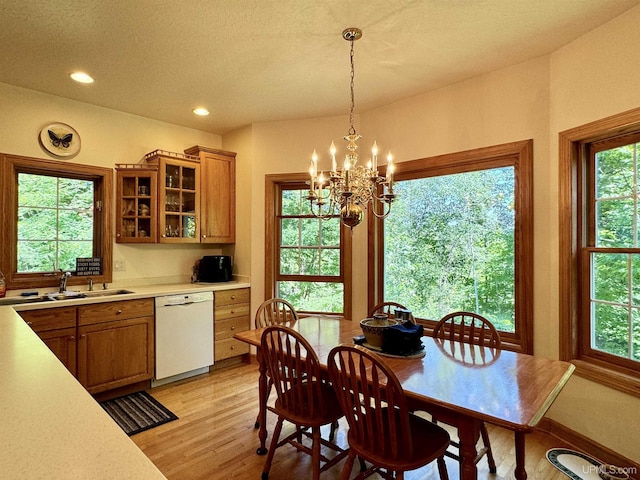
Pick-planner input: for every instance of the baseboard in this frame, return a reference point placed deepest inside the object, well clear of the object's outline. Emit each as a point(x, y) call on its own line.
point(588, 446)
point(122, 391)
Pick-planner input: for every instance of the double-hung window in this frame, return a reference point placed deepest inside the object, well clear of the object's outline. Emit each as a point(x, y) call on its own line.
point(600, 250)
point(308, 258)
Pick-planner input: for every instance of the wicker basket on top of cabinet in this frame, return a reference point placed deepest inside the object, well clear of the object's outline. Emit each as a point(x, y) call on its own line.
point(231, 315)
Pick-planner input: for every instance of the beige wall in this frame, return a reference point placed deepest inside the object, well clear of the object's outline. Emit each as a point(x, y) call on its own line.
point(108, 137)
point(241, 143)
point(586, 80)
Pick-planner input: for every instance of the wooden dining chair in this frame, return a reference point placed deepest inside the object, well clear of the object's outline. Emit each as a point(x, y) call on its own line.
point(274, 311)
point(304, 397)
point(470, 328)
point(388, 308)
point(381, 429)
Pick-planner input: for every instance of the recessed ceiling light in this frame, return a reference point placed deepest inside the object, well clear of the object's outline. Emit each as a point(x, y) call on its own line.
point(201, 111)
point(81, 77)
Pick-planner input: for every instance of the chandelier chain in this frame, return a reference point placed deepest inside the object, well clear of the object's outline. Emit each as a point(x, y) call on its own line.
point(352, 130)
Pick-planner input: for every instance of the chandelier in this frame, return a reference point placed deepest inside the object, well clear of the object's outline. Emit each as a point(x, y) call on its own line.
point(353, 187)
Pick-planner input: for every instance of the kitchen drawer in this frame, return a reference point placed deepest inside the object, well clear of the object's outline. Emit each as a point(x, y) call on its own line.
point(230, 311)
point(229, 327)
point(229, 348)
point(50, 318)
point(226, 297)
point(109, 311)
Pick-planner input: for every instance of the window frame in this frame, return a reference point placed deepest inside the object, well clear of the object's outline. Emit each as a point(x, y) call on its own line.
point(11, 166)
point(573, 289)
point(518, 155)
point(274, 184)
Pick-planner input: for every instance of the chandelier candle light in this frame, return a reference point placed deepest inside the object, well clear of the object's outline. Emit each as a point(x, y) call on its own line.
point(355, 186)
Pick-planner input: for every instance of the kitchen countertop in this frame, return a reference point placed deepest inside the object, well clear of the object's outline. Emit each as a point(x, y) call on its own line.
point(136, 292)
point(52, 428)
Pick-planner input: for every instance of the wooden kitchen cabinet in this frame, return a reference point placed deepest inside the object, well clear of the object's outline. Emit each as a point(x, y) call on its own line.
point(218, 194)
point(136, 203)
point(57, 329)
point(178, 196)
point(231, 315)
point(104, 345)
point(115, 344)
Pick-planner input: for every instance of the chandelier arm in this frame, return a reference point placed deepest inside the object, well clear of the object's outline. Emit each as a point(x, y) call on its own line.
point(323, 216)
point(382, 215)
point(385, 197)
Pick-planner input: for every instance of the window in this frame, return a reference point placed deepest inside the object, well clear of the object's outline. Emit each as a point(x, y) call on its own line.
point(54, 212)
point(55, 222)
point(459, 238)
point(307, 260)
point(600, 250)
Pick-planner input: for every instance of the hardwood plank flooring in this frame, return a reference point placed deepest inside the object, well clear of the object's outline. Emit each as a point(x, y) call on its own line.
point(214, 437)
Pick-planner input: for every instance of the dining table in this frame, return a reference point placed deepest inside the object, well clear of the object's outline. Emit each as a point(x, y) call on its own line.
point(462, 385)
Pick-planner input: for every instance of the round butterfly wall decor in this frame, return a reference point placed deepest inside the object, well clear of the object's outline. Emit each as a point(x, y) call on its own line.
point(60, 139)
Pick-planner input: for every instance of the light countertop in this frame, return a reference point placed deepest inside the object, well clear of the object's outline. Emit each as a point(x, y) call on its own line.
point(137, 292)
point(52, 428)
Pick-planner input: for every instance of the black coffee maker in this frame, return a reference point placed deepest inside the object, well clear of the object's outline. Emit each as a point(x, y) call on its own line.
point(215, 268)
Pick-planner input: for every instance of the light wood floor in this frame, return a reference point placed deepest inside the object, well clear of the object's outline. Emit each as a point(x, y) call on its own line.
point(214, 437)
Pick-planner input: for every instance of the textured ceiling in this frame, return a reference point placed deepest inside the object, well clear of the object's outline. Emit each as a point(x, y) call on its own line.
point(262, 60)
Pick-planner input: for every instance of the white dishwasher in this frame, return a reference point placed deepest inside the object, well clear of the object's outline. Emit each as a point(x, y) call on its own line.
point(184, 336)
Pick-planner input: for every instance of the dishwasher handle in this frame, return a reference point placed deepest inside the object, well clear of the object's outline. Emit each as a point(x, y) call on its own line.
point(178, 304)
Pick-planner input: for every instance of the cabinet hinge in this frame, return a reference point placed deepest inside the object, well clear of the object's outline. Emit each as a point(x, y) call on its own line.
point(99, 205)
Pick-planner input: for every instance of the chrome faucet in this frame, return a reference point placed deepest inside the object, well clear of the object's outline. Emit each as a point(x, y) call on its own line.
point(64, 276)
point(90, 284)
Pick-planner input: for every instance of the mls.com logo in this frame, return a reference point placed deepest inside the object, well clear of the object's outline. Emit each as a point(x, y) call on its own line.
point(610, 472)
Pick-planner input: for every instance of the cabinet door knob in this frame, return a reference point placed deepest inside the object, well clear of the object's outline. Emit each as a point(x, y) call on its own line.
point(118, 235)
point(118, 312)
point(29, 323)
point(204, 236)
point(72, 338)
point(233, 297)
point(233, 328)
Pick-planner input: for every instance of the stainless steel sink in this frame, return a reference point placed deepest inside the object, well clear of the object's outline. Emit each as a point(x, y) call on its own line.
point(105, 293)
point(71, 295)
point(55, 296)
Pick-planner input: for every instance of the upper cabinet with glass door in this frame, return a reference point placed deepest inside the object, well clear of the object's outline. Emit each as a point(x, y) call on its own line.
point(178, 196)
point(136, 203)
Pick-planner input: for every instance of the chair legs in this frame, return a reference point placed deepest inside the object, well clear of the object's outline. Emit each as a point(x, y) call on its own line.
point(348, 465)
point(332, 433)
point(269, 386)
point(442, 469)
point(272, 449)
point(315, 453)
point(486, 449)
point(487, 445)
point(319, 461)
point(345, 473)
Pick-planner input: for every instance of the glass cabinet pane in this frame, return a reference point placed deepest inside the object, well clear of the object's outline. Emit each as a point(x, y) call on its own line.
point(136, 200)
